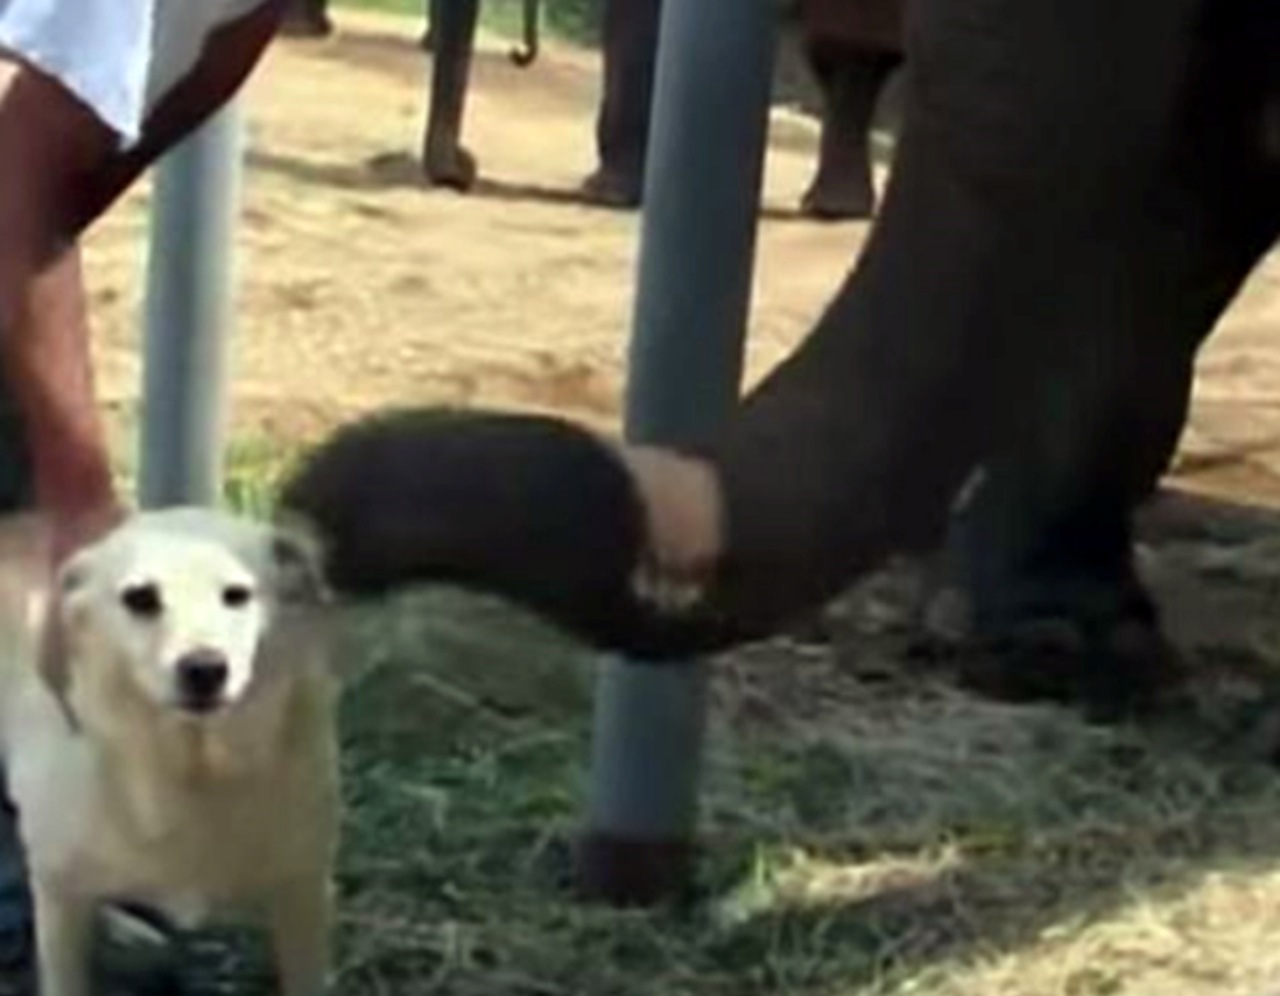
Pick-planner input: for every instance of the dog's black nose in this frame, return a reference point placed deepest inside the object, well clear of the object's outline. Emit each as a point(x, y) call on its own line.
point(202, 675)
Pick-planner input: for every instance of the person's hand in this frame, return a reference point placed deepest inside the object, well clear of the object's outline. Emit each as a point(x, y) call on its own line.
point(65, 529)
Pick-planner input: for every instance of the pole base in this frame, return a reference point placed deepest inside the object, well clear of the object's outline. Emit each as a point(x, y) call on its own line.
point(629, 871)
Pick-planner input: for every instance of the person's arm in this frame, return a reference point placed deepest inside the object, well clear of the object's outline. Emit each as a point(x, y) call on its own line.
point(60, 168)
point(52, 145)
point(65, 438)
point(230, 56)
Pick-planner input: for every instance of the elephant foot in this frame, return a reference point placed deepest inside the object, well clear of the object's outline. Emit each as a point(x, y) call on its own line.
point(305, 25)
point(1110, 672)
point(452, 167)
point(832, 201)
point(1112, 666)
point(612, 188)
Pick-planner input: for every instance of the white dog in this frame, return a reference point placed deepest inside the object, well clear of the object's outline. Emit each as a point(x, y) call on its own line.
point(171, 741)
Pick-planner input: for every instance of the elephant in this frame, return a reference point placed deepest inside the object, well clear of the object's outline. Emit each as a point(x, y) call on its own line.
point(852, 48)
point(1080, 189)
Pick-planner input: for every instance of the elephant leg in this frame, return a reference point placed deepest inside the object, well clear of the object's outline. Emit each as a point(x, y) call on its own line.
point(306, 19)
point(629, 51)
point(453, 28)
point(851, 79)
point(1043, 550)
point(1057, 245)
point(1042, 547)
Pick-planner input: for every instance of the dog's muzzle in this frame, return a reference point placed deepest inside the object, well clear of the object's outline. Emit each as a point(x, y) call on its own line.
point(201, 680)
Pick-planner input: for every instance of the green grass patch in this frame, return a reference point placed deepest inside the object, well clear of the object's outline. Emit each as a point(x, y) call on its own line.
point(406, 8)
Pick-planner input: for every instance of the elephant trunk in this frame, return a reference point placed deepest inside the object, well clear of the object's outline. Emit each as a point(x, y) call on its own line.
point(852, 450)
point(650, 552)
point(591, 536)
point(526, 56)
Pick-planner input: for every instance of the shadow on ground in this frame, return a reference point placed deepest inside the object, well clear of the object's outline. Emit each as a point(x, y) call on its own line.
point(399, 57)
point(400, 170)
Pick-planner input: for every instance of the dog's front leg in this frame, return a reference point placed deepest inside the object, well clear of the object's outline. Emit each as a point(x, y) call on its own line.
point(64, 926)
point(300, 916)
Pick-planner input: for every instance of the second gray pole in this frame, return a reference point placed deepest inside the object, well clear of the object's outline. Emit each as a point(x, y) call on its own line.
point(701, 200)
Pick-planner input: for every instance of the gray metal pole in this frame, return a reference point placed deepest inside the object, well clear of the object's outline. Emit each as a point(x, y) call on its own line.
point(701, 197)
point(189, 315)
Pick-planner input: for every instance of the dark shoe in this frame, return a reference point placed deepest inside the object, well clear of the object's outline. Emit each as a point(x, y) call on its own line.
point(134, 954)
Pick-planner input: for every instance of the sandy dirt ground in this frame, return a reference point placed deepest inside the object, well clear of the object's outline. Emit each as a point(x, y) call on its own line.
point(361, 287)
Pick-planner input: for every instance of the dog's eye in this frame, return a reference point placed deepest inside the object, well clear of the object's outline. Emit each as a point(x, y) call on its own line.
point(235, 596)
point(142, 600)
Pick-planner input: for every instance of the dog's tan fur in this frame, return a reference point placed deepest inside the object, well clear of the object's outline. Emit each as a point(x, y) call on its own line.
point(121, 793)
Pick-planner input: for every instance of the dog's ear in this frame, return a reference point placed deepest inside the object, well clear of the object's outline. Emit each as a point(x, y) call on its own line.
point(53, 661)
point(297, 559)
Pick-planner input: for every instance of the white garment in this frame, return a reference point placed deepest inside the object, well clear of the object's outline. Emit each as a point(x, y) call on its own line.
point(119, 57)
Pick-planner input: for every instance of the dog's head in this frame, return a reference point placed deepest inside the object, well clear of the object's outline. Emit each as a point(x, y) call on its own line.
point(175, 606)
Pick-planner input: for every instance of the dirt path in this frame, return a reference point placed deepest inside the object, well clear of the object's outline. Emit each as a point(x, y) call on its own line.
point(362, 288)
